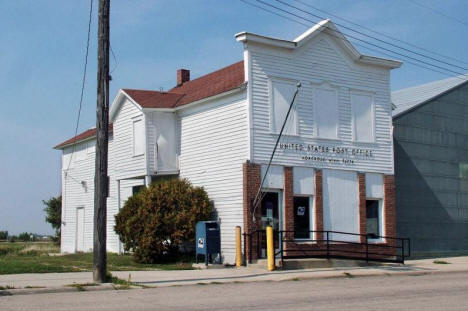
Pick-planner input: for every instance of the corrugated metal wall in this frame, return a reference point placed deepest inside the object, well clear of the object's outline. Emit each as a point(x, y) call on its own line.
point(431, 150)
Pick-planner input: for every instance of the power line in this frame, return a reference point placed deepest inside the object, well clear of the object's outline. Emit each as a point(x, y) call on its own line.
point(361, 40)
point(427, 7)
point(272, 12)
point(380, 33)
point(372, 37)
point(83, 82)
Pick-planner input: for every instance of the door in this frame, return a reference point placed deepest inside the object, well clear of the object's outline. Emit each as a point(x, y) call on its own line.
point(270, 217)
point(80, 229)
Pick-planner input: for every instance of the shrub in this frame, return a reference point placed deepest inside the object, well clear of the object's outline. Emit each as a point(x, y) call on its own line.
point(157, 220)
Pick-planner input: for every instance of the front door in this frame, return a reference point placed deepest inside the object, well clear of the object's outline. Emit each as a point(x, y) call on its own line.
point(270, 217)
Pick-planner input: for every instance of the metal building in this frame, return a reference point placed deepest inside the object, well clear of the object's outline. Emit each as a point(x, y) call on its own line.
point(431, 166)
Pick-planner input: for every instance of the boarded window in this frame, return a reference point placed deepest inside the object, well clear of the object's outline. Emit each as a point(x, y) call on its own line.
point(363, 119)
point(326, 113)
point(282, 94)
point(138, 137)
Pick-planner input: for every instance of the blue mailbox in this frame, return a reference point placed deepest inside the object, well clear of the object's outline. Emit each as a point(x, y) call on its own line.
point(207, 240)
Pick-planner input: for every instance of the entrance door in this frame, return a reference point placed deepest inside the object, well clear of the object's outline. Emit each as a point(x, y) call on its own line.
point(270, 217)
point(80, 229)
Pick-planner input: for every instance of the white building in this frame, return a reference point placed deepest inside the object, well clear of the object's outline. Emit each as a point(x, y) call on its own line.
point(334, 161)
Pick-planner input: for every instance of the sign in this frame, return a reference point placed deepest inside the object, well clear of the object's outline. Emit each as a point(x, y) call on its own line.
point(301, 211)
point(328, 154)
point(201, 243)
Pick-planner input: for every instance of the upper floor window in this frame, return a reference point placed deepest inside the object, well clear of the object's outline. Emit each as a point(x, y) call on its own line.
point(363, 117)
point(138, 137)
point(281, 95)
point(326, 113)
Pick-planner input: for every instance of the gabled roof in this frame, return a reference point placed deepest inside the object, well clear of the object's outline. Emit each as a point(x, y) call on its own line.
point(328, 27)
point(88, 134)
point(412, 97)
point(217, 82)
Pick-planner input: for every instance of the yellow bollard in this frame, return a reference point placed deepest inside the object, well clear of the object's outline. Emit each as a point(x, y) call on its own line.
point(270, 248)
point(238, 247)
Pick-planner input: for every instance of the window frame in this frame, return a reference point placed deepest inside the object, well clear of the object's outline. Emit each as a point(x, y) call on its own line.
point(380, 220)
point(353, 115)
point(271, 104)
point(315, 108)
point(143, 139)
point(312, 235)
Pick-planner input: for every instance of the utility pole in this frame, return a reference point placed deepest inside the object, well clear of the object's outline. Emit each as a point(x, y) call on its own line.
point(102, 128)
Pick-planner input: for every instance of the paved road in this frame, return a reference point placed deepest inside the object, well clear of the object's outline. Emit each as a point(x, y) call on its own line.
point(448, 291)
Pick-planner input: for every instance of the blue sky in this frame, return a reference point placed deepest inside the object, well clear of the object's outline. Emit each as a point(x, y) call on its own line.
point(42, 54)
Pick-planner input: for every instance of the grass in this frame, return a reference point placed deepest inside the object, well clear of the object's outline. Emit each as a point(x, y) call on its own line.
point(441, 262)
point(348, 275)
point(40, 257)
point(6, 287)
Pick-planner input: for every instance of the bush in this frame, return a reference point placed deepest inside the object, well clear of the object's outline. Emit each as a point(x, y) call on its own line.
point(3, 235)
point(157, 220)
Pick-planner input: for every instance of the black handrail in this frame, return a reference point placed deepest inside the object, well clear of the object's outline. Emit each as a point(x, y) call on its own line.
point(397, 248)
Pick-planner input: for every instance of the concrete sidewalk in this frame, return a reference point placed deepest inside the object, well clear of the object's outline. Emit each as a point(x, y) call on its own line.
point(50, 282)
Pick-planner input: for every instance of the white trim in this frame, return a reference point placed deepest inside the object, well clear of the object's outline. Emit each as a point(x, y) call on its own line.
point(326, 26)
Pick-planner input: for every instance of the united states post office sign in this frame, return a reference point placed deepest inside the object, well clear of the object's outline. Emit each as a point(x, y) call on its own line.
point(327, 154)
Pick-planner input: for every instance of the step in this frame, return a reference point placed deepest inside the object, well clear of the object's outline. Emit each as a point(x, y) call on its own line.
point(312, 263)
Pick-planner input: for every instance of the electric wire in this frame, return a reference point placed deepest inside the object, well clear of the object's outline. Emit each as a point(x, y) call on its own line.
point(361, 40)
point(380, 33)
point(369, 36)
point(427, 7)
point(83, 82)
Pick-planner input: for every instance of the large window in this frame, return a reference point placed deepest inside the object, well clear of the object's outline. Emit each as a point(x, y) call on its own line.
point(363, 117)
point(373, 218)
point(138, 137)
point(282, 93)
point(302, 218)
point(326, 113)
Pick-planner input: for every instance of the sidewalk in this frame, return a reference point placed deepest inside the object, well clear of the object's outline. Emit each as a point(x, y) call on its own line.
point(57, 282)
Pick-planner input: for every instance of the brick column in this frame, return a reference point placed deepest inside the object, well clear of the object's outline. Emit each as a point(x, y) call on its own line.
point(318, 204)
point(362, 206)
point(288, 203)
point(389, 205)
point(251, 182)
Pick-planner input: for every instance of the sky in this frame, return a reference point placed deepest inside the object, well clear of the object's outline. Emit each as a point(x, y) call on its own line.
point(43, 48)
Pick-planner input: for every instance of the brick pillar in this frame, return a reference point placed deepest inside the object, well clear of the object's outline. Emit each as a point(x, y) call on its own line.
point(288, 203)
point(251, 182)
point(362, 206)
point(389, 206)
point(318, 204)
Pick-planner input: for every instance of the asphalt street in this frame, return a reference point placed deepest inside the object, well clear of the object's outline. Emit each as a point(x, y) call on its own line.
point(444, 291)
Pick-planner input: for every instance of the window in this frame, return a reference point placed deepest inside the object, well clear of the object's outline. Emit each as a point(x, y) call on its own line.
point(363, 117)
point(81, 152)
point(282, 94)
point(136, 189)
point(138, 138)
point(326, 113)
point(373, 217)
point(302, 218)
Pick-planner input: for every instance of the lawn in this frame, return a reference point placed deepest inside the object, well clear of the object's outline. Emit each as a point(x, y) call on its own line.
point(40, 257)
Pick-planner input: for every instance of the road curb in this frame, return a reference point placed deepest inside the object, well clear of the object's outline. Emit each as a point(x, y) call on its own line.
point(249, 279)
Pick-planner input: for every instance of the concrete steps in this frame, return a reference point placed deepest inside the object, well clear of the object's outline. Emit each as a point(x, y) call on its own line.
point(313, 263)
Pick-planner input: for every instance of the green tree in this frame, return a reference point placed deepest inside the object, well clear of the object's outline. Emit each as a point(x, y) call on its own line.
point(3, 235)
point(157, 220)
point(25, 237)
point(53, 209)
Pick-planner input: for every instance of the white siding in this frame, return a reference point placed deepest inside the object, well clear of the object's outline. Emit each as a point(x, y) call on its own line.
point(213, 147)
point(126, 163)
point(340, 204)
point(319, 64)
